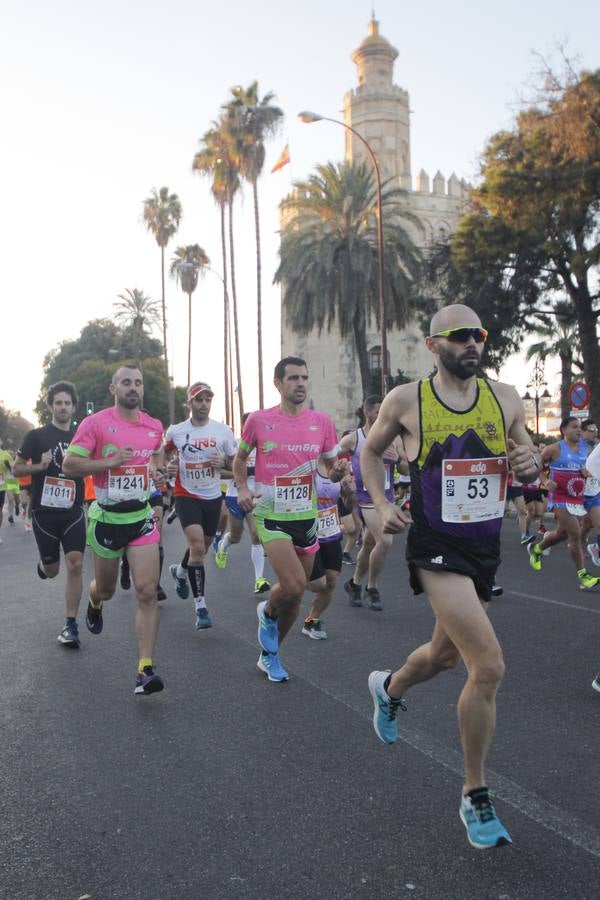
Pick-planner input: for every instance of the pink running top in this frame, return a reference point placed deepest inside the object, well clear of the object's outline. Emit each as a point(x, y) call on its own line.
point(287, 451)
point(105, 432)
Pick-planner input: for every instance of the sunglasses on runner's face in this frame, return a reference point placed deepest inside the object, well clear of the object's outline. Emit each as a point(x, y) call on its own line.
point(462, 335)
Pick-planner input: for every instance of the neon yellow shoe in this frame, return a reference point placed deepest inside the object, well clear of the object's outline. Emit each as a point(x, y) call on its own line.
point(535, 557)
point(587, 581)
point(261, 586)
point(221, 557)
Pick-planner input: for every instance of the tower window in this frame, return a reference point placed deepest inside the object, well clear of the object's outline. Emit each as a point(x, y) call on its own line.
point(375, 360)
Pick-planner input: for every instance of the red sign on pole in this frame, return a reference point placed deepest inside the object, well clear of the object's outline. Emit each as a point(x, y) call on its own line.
point(579, 395)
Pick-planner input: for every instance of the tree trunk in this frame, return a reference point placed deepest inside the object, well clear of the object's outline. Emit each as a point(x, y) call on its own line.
point(170, 396)
point(360, 344)
point(230, 357)
point(261, 399)
point(235, 314)
point(226, 381)
point(566, 377)
point(189, 377)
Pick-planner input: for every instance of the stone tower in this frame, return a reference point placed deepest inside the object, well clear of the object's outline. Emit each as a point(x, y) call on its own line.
point(379, 110)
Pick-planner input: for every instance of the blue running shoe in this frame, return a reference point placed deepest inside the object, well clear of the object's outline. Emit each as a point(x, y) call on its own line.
point(148, 682)
point(182, 588)
point(386, 709)
point(484, 828)
point(202, 619)
point(596, 683)
point(93, 618)
point(69, 636)
point(268, 633)
point(270, 664)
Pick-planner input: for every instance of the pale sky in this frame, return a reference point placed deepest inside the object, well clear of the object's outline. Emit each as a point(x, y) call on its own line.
point(101, 101)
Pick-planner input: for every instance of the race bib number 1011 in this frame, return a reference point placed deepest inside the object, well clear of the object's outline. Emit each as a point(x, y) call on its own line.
point(473, 490)
point(58, 493)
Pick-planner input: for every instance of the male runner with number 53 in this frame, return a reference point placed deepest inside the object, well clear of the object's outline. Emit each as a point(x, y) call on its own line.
point(460, 432)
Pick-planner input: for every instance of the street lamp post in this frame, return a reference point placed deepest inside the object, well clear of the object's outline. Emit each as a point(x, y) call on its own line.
point(309, 117)
point(537, 382)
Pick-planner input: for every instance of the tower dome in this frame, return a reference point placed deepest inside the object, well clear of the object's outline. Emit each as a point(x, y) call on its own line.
point(374, 58)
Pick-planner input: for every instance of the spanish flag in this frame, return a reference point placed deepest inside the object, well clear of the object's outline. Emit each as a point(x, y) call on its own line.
point(283, 160)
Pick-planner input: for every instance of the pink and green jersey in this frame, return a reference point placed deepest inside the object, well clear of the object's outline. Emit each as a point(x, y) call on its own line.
point(124, 488)
point(288, 449)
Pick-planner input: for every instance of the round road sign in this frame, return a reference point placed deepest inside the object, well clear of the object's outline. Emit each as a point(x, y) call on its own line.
point(579, 395)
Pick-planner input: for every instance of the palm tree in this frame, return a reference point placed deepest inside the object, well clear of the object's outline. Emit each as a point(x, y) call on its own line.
point(162, 215)
point(559, 337)
point(139, 313)
point(250, 120)
point(211, 160)
point(328, 256)
point(187, 265)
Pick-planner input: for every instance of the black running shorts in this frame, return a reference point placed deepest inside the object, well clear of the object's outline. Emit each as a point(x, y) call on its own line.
point(437, 552)
point(54, 529)
point(192, 511)
point(534, 496)
point(2, 498)
point(343, 509)
point(301, 533)
point(329, 557)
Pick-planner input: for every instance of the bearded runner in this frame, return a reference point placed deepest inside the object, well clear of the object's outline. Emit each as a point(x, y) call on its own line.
point(121, 447)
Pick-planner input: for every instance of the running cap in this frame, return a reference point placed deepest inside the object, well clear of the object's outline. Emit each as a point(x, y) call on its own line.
point(199, 387)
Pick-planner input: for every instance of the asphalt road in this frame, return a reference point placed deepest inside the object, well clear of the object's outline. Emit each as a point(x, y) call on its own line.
point(228, 786)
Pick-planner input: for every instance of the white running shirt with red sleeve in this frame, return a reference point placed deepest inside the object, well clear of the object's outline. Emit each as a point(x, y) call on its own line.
point(196, 445)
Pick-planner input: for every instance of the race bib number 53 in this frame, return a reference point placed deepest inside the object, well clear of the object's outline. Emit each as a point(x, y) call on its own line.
point(473, 490)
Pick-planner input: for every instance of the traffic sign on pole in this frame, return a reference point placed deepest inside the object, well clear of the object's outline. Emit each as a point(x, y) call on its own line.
point(579, 395)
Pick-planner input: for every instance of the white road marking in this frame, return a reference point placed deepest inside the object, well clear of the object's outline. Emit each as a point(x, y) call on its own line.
point(589, 609)
point(525, 802)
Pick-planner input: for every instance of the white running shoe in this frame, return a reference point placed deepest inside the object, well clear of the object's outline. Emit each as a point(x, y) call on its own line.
point(594, 551)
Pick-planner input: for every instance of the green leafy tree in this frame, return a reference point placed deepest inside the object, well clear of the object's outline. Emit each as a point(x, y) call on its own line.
point(502, 301)
point(537, 208)
point(187, 265)
point(13, 428)
point(329, 265)
point(90, 362)
point(558, 338)
point(139, 313)
point(250, 120)
point(162, 215)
